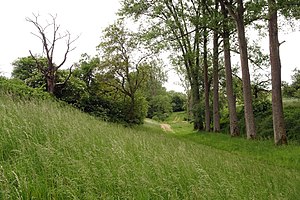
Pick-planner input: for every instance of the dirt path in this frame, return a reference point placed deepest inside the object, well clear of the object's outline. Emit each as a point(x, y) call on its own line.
point(166, 127)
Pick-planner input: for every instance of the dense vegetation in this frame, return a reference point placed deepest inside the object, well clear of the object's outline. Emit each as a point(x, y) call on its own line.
point(53, 151)
point(91, 88)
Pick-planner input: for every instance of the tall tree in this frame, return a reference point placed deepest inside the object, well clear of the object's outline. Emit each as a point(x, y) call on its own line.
point(178, 25)
point(234, 129)
point(122, 71)
point(238, 15)
point(49, 43)
point(216, 113)
point(205, 67)
point(277, 107)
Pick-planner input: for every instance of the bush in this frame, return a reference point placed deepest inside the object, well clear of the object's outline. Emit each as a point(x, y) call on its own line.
point(292, 120)
point(160, 106)
point(262, 110)
point(140, 110)
point(178, 101)
point(264, 120)
point(18, 88)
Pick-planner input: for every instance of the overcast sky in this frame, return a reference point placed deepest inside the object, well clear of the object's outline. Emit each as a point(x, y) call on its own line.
point(86, 18)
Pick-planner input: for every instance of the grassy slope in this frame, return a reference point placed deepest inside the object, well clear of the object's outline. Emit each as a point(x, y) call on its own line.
point(263, 150)
point(48, 151)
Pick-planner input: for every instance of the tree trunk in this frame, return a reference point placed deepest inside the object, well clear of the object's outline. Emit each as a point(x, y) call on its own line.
point(277, 107)
point(198, 124)
point(249, 116)
point(234, 129)
point(132, 108)
point(206, 84)
point(216, 114)
point(50, 83)
point(189, 106)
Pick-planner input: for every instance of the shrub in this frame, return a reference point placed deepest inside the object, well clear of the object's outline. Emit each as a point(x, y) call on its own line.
point(292, 120)
point(160, 106)
point(16, 87)
point(264, 121)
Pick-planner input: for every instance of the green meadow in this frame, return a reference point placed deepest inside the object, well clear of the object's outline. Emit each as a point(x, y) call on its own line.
point(50, 150)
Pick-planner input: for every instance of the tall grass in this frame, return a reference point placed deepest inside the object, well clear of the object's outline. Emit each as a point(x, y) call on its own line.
point(51, 151)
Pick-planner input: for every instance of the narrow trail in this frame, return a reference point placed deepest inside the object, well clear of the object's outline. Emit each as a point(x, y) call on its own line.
point(166, 128)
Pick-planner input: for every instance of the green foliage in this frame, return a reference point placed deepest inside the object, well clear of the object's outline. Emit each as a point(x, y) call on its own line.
point(289, 8)
point(17, 88)
point(178, 101)
point(296, 82)
point(124, 68)
point(254, 10)
point(86, 89)
point(292, 90)
point(264, 122)
point(262, 110)
point(72, 91)
point(86, 70)
point(92, 89)
point(26, 69)
point(103, 108)
point(287, 90)
point(292, 120)
point(139, 110)
point(160, 107)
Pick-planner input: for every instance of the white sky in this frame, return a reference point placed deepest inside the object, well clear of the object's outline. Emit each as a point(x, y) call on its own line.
point(86, 18)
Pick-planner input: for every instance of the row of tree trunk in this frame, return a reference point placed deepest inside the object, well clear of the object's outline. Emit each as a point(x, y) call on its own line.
point(237, 15)
point(184, 26)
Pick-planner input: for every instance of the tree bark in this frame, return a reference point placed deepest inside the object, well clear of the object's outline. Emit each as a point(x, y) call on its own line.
point(198, 124)
point(248, 108)
point(277, 107)
point(189, 105)
point(205, 70)
point(206, 84)
point(216, 114)
point(51, 84)
point(234, 129)
point(131, 113)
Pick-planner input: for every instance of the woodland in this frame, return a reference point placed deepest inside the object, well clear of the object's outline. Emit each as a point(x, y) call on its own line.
point(124, 82)
point(106, 127)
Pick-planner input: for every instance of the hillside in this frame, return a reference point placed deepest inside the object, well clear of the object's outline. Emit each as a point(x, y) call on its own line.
point(52, 151)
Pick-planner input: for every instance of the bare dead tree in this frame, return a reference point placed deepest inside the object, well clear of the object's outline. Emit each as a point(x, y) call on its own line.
point(49, 41)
